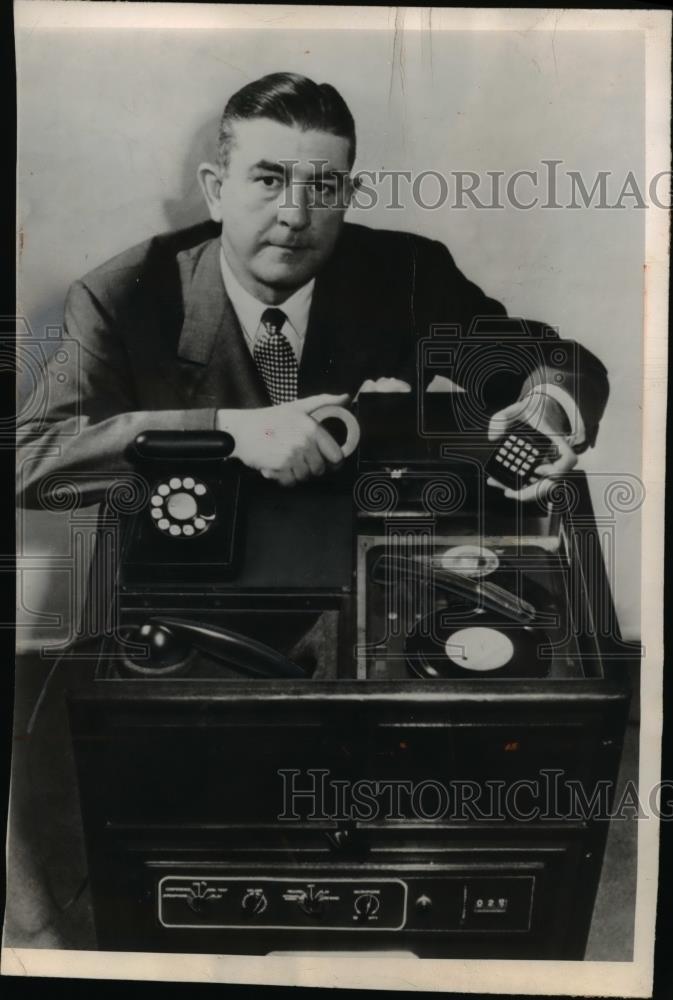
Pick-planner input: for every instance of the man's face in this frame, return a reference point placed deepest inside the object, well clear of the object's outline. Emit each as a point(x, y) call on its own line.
point(281, 201)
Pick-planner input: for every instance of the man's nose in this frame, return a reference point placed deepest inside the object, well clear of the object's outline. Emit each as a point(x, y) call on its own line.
point(293, 209)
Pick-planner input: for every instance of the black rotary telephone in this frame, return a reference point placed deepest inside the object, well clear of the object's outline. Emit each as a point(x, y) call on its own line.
point(187, 539)
point(188, 534)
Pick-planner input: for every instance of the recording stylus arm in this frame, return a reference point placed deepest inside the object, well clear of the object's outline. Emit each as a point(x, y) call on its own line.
point(237, 651)
point(389, 568)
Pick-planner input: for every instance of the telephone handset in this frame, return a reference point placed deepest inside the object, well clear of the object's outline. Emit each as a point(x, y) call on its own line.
point(183, 445)
point(172, 643)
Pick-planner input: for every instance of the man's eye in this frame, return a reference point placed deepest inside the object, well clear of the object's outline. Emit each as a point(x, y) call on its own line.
point(270, 182)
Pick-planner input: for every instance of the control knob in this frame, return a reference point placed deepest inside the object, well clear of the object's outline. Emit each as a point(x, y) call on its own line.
point(366, 905)
point(254, 902)
point(313, 901)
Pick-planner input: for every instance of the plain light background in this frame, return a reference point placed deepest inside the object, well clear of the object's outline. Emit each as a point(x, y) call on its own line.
point(113, 123)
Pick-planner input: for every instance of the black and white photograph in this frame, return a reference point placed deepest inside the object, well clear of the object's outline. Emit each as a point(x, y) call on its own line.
point(341, 346)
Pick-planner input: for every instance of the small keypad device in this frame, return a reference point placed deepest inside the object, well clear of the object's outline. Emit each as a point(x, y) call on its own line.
point(518, 454)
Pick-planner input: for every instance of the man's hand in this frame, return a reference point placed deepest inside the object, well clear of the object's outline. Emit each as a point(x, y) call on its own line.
point(384, 385)
point(546, 415)
point(284, 442)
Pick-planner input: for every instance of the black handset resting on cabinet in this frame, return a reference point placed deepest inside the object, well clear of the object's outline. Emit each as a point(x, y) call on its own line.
point(170, 645)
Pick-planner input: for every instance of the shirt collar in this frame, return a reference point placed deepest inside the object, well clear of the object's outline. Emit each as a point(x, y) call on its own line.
point(249, 309)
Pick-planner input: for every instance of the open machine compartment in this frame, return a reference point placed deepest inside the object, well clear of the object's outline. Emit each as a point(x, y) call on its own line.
point(185, 774)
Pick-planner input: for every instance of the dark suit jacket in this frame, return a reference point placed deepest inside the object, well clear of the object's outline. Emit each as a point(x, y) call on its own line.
point(158, 345)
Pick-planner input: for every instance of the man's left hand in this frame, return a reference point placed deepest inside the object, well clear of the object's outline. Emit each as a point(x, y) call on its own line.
point(546, 415)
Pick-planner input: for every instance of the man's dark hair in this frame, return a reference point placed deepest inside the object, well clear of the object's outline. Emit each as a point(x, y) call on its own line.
point(290, 99)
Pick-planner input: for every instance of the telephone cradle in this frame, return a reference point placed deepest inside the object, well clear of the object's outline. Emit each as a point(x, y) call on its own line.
point(354, 714)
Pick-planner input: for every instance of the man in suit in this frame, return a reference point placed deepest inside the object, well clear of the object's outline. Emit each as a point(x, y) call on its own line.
point(251, 321)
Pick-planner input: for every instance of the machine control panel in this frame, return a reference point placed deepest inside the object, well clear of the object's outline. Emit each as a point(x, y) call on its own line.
point(443, 902)
point(212, 901)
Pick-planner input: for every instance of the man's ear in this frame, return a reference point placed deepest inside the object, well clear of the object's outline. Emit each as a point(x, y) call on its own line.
point(210, 181)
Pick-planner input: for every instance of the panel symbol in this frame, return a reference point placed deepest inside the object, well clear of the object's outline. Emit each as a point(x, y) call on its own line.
point(195, 894)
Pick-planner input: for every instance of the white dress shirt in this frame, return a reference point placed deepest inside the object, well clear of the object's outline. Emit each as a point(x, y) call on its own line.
point(249, 310)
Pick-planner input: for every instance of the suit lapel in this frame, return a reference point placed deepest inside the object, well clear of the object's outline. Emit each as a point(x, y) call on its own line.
point(217, 367)
point(341, 329)
point(317, 355)
point(328, 361)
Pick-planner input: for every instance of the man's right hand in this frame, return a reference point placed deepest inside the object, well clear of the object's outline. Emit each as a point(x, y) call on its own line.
point(284, 442)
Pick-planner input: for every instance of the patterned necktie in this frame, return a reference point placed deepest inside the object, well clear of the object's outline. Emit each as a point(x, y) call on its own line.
point(275, 358)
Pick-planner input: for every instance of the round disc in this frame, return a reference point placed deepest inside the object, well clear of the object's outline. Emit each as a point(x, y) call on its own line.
point(182, 506)
point(479, 649)
point(474, 651)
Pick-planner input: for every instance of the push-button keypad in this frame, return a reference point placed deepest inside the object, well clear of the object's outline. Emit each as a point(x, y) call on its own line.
point(517, 456)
